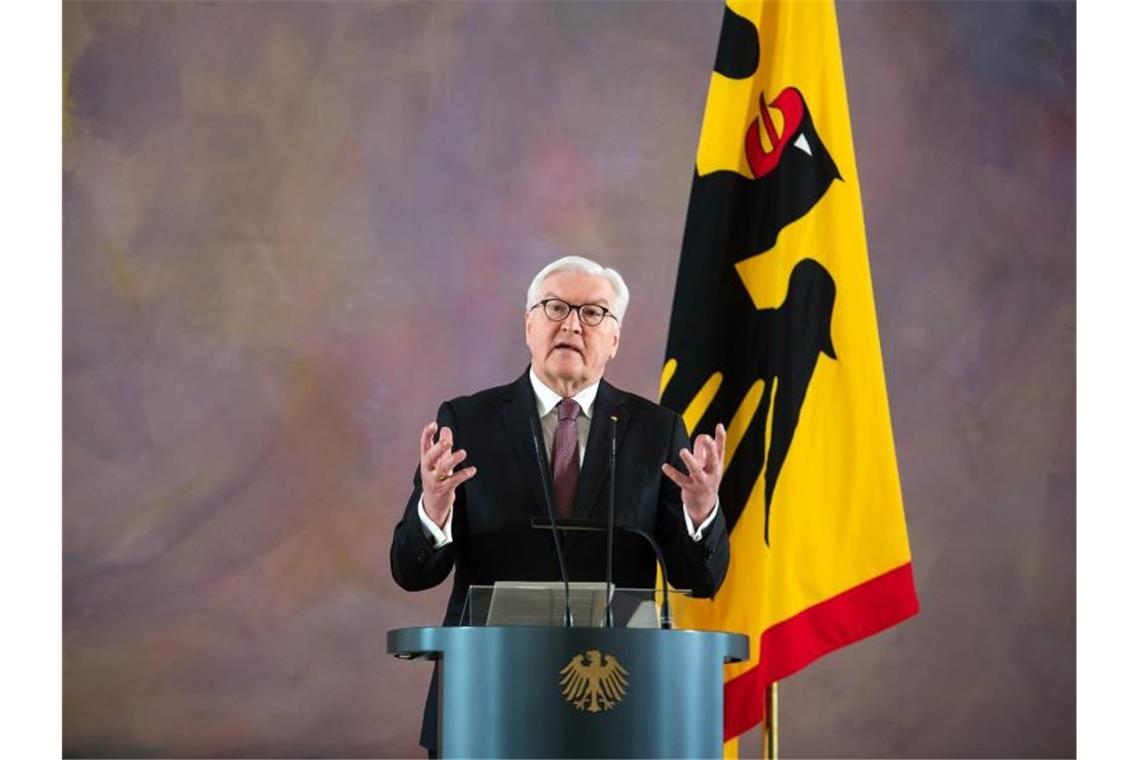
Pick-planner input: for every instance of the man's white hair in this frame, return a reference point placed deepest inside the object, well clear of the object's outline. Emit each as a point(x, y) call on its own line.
point(589, 266)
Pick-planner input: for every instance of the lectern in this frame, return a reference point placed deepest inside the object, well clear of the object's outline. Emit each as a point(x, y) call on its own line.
point(553, 691)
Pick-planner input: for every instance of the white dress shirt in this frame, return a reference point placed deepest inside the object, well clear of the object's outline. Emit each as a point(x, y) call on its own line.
point(548, 417)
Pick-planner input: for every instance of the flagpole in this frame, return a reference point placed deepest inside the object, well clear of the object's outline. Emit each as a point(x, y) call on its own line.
point(771, 726)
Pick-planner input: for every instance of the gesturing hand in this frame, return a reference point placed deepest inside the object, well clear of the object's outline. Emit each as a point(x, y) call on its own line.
point(437, 472)
point(706, 467)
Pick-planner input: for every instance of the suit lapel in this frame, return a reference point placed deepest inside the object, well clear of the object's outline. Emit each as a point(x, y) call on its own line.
point(610, 402)
point(519, 408)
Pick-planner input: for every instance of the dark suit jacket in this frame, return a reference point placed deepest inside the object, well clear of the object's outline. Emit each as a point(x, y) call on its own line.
point(493, 540)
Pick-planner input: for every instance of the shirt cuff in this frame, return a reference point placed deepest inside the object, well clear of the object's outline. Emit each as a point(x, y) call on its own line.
point(696, 534)
point(442, 537)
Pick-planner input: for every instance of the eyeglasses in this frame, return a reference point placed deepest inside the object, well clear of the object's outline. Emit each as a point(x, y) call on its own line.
point(556, 310)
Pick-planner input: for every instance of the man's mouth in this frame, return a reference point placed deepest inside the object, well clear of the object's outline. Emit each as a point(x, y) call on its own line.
point(566, 347)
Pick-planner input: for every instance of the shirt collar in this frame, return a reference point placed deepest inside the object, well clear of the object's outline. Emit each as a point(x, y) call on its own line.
point(548, 399)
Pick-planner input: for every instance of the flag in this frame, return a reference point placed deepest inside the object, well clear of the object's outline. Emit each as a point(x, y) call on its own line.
point(773, 333)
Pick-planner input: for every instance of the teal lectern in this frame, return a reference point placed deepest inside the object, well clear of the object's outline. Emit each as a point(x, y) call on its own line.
point(545, 691)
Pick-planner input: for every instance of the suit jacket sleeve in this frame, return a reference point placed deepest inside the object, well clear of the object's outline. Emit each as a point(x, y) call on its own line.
point(416, 564)
point(697, 565)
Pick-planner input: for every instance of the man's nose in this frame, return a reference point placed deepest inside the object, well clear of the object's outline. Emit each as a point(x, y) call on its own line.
point(576, 326)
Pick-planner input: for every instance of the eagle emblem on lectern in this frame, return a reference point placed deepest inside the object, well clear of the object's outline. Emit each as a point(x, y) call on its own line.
point(594, 681)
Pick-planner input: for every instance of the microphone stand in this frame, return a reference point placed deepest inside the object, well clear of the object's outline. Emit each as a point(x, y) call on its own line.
point(609, 616)
point(568, 616)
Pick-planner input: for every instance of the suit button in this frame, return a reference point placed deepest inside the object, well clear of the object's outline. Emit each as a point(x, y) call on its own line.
point(709, 553)
point(422, 556)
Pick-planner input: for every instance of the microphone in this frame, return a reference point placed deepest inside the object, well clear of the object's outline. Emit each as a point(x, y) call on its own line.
point(568, 617)
point(599, 526)
point(608, 620)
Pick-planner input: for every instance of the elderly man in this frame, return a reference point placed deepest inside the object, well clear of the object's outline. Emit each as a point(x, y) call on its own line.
point(478, 483)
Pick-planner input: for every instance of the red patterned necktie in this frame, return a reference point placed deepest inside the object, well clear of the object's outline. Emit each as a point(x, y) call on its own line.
point(564, 457)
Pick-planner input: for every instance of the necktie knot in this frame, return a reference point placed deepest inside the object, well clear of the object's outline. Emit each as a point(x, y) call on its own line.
point(568, 409)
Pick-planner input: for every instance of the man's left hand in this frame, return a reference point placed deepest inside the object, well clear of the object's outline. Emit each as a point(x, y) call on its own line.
point(706, 467)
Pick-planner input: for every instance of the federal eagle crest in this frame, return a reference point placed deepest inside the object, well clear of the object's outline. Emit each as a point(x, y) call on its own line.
point(593, 681)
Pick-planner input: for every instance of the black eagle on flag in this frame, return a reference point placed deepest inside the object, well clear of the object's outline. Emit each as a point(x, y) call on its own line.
point(715, 326)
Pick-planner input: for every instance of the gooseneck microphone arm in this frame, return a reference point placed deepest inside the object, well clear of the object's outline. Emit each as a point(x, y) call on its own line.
point(568, 616)
point(600, 526)
point(609, 617)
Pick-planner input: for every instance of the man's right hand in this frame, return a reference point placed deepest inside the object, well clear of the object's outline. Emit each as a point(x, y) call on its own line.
point(438, 474)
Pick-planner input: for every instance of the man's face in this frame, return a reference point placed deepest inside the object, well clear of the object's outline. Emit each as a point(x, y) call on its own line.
point(569, 354)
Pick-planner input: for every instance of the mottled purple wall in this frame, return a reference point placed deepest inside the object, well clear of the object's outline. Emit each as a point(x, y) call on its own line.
point(291, 229)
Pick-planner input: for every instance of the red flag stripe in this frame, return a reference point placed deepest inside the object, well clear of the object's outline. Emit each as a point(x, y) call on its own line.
point(796, 642)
